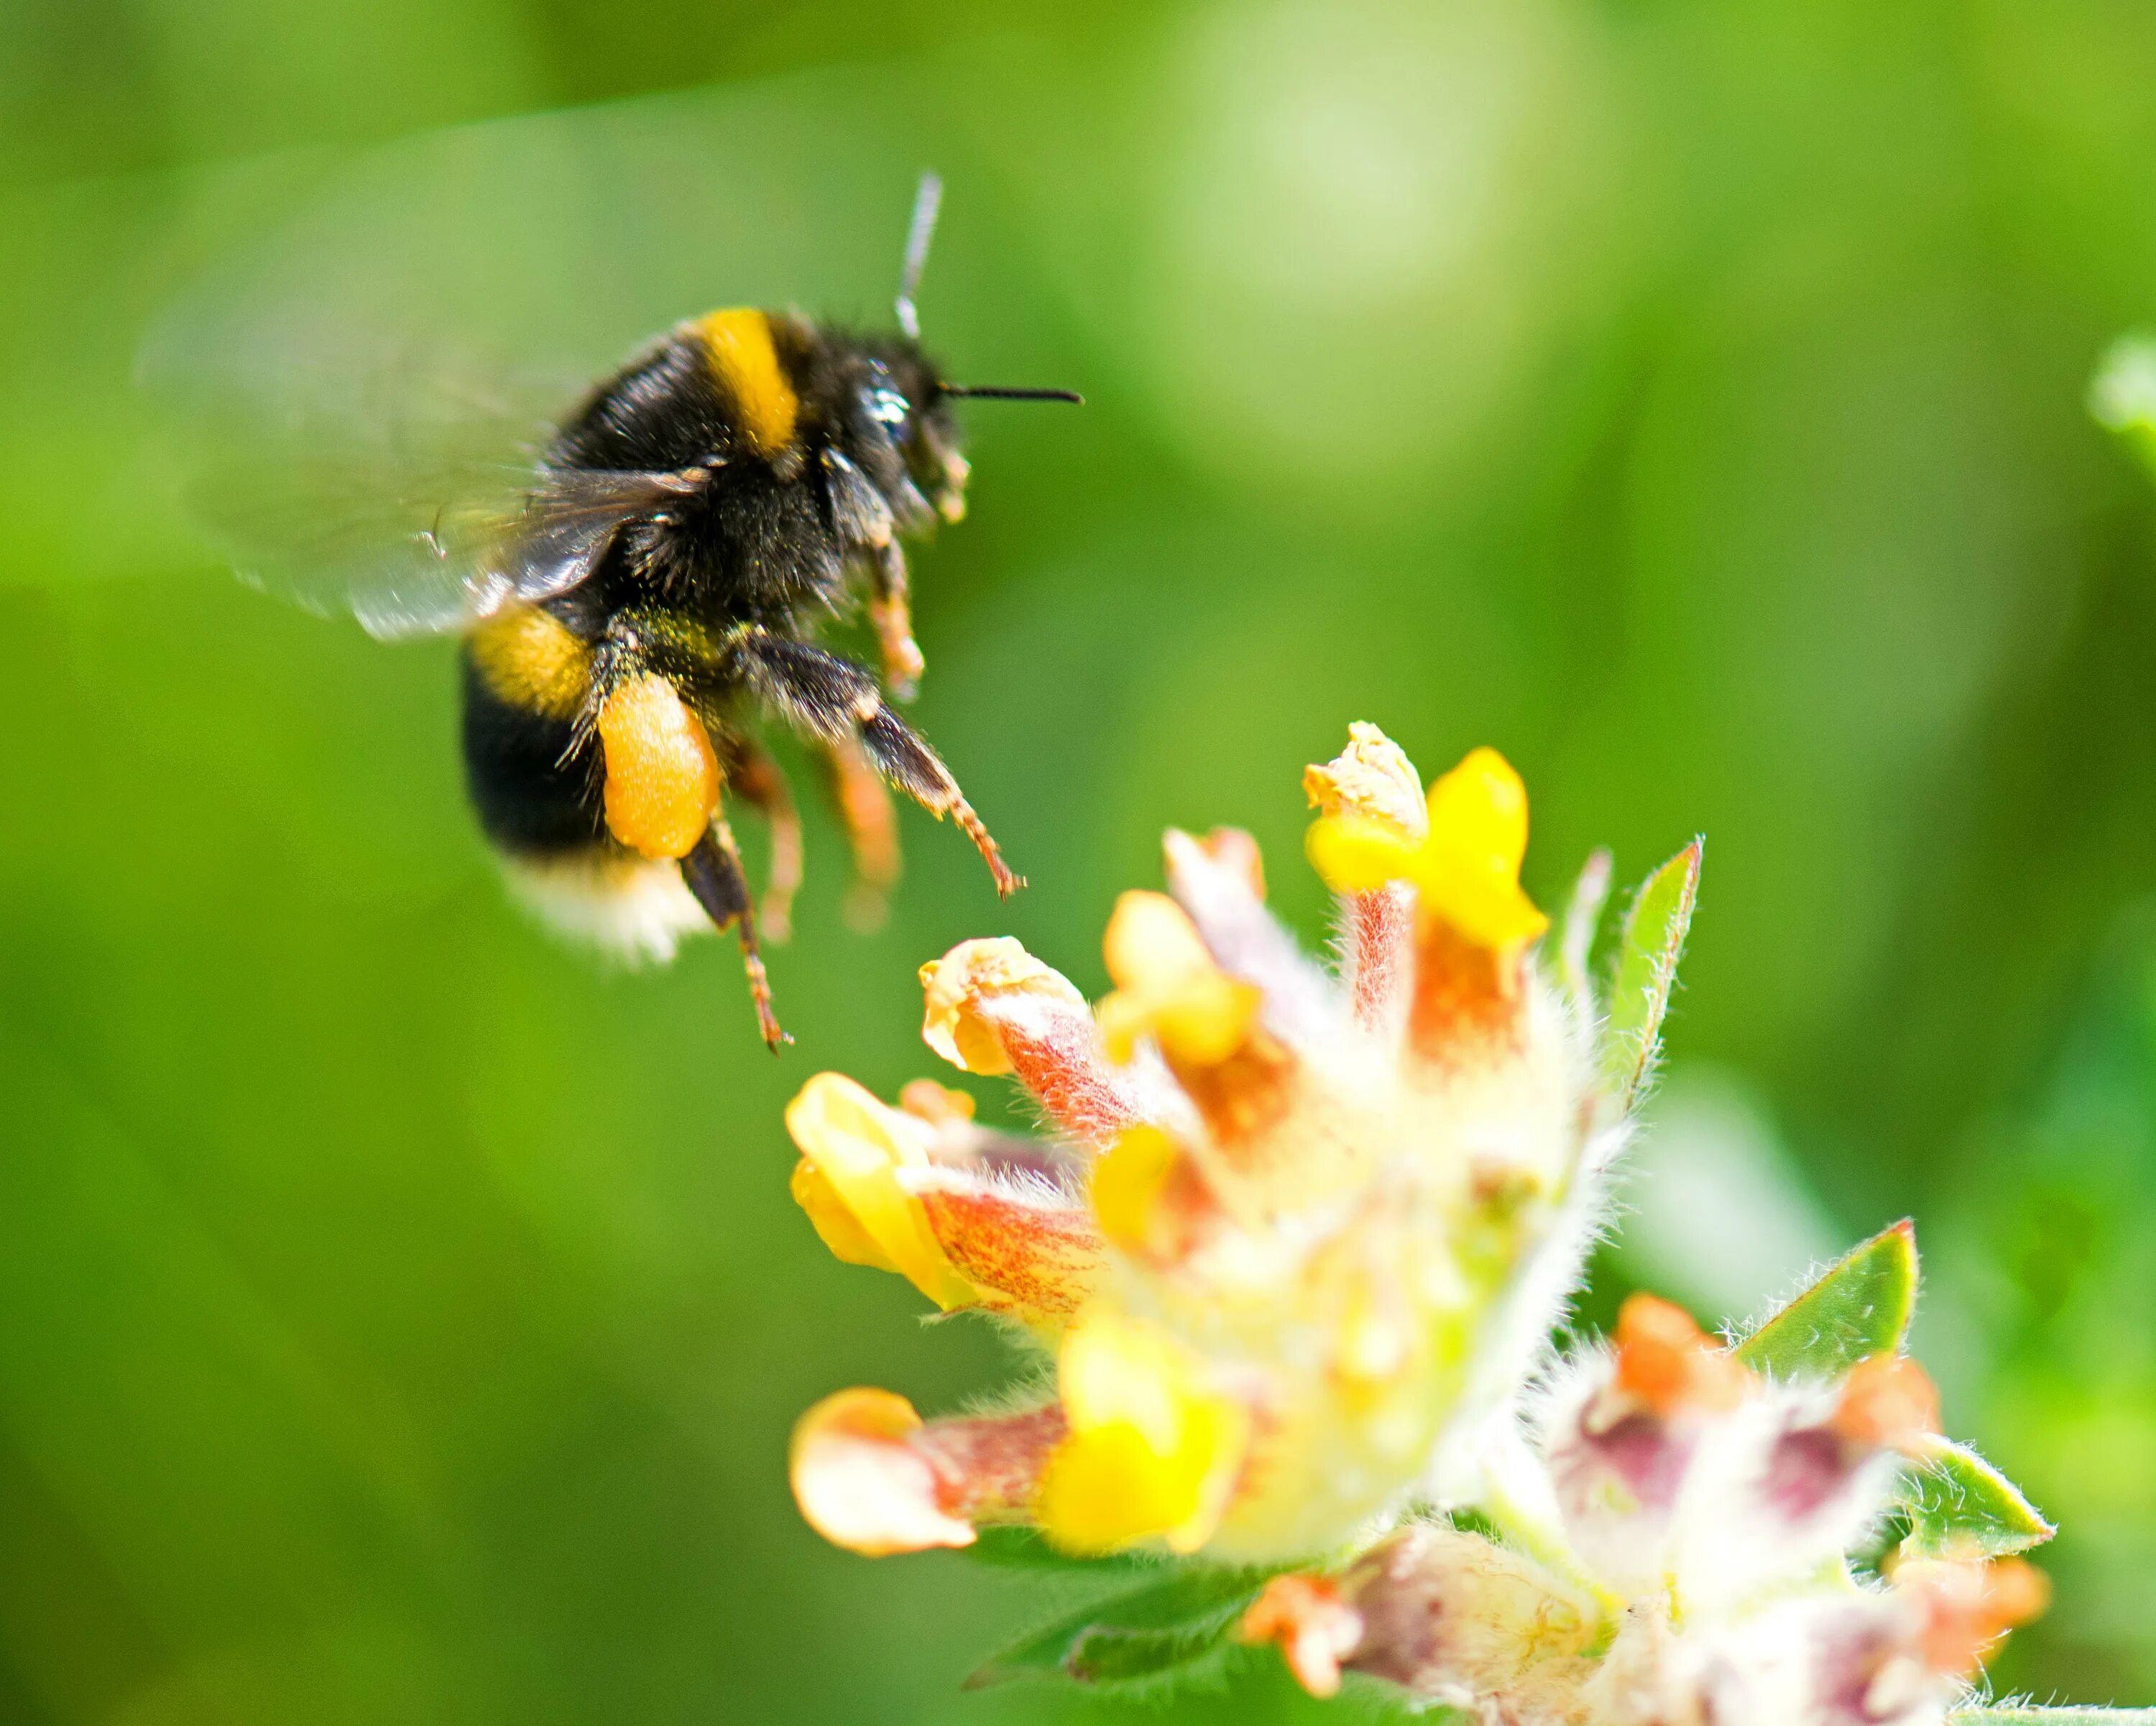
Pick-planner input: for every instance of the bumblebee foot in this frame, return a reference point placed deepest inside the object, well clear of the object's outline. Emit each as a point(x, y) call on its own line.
point(970, 825)
point(759, 992)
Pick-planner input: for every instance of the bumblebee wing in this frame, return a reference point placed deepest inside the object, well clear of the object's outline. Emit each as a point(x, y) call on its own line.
point(474, 556)
point(353, 471)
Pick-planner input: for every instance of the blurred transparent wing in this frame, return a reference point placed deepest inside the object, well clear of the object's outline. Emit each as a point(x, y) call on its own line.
point(353, 470)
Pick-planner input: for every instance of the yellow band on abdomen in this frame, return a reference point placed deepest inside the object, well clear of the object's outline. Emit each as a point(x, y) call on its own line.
point(531, 661)
point(746, 366)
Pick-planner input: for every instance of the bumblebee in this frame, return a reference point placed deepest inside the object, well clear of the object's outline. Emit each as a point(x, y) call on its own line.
point(654, 590)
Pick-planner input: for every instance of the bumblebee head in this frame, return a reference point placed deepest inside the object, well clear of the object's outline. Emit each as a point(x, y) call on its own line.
point(900, 400)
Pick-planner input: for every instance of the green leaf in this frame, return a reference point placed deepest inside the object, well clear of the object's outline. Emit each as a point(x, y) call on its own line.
point(1858, 1308)
point(1958, 1505)
point(2013, 1715)
point(1164, 1627)
point(1646, 968)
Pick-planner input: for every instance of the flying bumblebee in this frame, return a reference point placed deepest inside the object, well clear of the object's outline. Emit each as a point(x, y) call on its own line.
point(633, 600)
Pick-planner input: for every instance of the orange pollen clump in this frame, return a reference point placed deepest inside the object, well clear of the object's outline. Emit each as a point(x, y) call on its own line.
point(1968, 1607)
point(1314, 1627)
point(662, 778)
point(1665, 1362)
point(1887, 1401)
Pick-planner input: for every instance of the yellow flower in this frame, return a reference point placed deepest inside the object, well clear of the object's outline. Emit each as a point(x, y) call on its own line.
point(1168, 987)
point(1466, 866)
point(1153, 1449)
point(1127, 1182)
point(1287, 1269)
point(853, 1150)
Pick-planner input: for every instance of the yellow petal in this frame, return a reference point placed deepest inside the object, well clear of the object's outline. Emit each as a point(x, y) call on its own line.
point(856, 1147)
point(1126, 1181)
point(835, 1225)
point(972, 975)
point(1479, 809)
point(1152, 944)
point(1154, 1450)
point(1354, 854)
point(860, 1485)
point(1168, 985)
point(1469, 873)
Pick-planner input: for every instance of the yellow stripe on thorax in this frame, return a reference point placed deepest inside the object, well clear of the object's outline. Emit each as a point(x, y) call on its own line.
point(748, 367)
point(530, 660)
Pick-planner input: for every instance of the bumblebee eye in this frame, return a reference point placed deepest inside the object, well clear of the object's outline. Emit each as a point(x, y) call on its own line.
point(889, 409)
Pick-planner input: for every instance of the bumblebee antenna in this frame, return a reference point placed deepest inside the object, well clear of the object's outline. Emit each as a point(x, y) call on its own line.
point(1001, 392)
point(927, 199)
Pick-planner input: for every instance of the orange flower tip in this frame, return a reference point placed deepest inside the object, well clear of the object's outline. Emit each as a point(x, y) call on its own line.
point(924, 1099)
point(1887, 1402)
point(1228, 848)
point(1372, 778)
point(967, 990)
point(1126, 1181)
point(859, 1482)
point(1966, 1608)
point(1667, 1364)
point(1314, 1627)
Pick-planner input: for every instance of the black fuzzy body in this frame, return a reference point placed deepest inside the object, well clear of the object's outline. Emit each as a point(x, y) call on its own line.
point(719, 579)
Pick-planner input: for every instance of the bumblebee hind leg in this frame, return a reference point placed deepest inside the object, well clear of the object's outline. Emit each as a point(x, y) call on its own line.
point(713, 871)
point(836, 700)
point(536, 787)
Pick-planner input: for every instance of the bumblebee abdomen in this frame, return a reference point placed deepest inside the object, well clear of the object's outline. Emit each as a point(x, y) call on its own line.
point(535, 789)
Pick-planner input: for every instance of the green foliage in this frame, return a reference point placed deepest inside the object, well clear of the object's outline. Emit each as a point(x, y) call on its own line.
point(2012, 1714)
point(1958, 1503)
point(1168, 1629)
point(1859, 1307)
point(1647, 955)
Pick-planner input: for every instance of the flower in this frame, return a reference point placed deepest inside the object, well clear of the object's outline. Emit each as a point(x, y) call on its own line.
point(1295, 1241)
point(1677, 1549)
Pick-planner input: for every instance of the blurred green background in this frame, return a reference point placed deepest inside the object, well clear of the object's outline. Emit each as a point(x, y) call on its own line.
point(401, 1318)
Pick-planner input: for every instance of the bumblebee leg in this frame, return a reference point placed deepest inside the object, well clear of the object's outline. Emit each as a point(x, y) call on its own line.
point(752, 772)
point(866, 527)
point(890, 610)
point(713, 871)
point(834, 699)
point(871, 828)
point(904, 757)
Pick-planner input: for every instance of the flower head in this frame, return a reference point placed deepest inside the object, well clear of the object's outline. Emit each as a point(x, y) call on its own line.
point(1672, 1544)
point(1295, 1239)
